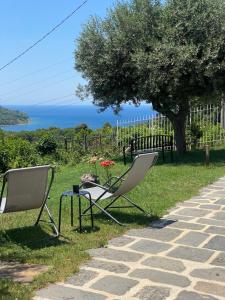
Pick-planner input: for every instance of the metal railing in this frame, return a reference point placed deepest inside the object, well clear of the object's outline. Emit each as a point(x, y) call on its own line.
point(204, 125)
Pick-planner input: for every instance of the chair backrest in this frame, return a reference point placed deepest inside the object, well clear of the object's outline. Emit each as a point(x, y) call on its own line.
point(27, 188)
point(141, 164)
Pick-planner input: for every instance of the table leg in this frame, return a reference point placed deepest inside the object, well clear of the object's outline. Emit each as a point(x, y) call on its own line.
point(71, 210)
point(60, 213)
point(79, 202)
point(92, 220)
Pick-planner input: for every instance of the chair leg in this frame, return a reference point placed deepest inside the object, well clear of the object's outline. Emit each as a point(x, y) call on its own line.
point(107, 213)
point(111, 203)
point(135, 205)
point(60, 213)
point(52, 221)
point(40, 214)
point(92, 219)
point(71, 210)
point(80, 215)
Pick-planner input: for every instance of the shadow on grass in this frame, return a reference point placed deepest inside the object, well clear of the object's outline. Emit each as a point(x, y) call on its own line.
point(194, 157)
point(127, 218)
point(32, 237)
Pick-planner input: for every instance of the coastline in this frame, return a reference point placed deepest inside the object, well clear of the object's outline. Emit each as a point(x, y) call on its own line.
point(43, 117)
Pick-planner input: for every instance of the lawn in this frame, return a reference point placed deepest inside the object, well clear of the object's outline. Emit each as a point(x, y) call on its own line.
point(164, 185)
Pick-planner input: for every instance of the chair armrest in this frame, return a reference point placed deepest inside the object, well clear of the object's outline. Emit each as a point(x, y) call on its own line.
point(95, 184)
point(109, 181)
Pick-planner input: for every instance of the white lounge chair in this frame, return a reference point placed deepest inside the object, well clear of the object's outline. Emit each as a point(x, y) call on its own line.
point(27, 188)
point(118, 187)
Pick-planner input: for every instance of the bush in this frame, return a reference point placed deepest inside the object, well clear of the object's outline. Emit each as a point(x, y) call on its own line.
point(47, 144)
point(17, 153)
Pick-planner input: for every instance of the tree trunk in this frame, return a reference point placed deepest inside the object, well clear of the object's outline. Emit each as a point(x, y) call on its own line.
point(179, 134)
point(178, 121)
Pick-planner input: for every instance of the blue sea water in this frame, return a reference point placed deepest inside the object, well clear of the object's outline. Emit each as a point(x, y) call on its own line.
point(73, 115)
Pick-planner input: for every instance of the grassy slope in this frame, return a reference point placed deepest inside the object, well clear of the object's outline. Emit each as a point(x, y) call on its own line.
point(164, 186)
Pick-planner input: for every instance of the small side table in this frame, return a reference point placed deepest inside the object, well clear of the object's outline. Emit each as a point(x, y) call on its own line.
point(71, 194)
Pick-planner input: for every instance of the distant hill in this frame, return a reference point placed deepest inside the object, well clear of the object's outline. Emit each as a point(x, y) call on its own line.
point(12, 117)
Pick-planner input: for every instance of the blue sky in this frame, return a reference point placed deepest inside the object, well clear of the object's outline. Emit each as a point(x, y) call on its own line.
point(46, 73)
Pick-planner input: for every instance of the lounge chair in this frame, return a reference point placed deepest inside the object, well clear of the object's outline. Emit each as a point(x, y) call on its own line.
point(27, 188)
point(117, 187)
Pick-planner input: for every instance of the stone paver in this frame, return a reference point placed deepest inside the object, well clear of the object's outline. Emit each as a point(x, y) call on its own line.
point(153, 292)
point(120, 241)
point(216, 274)
point(189, 253)
point(56, 292)
point(216, 243)
point(219, 260)
point(186, 225)
point(82, 277)
point(210, 288)
point(179, 257)
point(150, 246)
point(185, 295)
point(161, 277)
point(210, 206)
point(220, 202)
point(211, 222)
point(109, 266)
point(216, 230)
point(114, 285)
point(194, 212)
point(219, 215)
point(193, 238)
point(112, 254)
point(164, 263)
point(161, 234)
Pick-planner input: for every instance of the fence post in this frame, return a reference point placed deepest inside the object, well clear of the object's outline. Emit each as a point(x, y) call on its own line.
point(117, 133)
point(66, 144)
point(222, 115)
point(207, 157)
point(85, 143)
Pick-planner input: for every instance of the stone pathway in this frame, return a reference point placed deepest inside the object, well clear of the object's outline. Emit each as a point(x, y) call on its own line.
point(180, 257)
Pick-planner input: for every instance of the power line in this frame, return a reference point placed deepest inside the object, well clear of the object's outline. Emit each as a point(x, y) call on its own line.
point(35, 72)
point(43, 87)
point(44, 36)
point(53, 99)
point(35, 83)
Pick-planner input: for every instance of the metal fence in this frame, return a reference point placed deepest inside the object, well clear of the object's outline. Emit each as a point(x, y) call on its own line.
point(88, 142)
point(204, 125)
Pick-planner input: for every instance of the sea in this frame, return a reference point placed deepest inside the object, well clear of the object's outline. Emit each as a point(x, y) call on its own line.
point(73, 115)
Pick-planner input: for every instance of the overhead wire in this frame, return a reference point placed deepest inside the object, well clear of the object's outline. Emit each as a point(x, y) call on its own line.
point(45, 86)
point(43, 37)
point(35, 83)
point(34, 72)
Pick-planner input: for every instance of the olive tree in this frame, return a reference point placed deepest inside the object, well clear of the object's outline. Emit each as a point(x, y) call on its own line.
point(170, 54)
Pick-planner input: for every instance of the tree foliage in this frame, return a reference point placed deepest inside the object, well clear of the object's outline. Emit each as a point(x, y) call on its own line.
point(170, 54)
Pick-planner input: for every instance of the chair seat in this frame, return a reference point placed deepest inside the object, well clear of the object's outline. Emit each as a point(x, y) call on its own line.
point(2, 206)
point(95, 192)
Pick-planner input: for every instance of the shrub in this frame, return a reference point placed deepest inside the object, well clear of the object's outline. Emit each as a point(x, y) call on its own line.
point(47, 144)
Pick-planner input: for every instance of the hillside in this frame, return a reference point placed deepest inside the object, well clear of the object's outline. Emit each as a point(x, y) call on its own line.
point(12, 117)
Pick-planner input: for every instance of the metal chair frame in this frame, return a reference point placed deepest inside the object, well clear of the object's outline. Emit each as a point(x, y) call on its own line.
point(107, 186)
point(43, 206)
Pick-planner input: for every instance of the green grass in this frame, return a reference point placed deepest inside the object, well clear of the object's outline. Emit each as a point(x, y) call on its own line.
point(164, 185)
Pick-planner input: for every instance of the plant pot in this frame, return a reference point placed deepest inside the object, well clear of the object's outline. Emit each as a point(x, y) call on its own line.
point(86, 180)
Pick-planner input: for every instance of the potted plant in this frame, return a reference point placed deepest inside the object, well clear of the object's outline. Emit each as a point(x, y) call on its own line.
point(86, 179)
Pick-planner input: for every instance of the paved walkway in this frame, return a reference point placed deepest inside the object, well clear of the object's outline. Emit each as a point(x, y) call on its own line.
point(181, 257)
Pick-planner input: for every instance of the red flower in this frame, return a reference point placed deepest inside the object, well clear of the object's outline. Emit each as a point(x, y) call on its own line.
point(107, 163)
